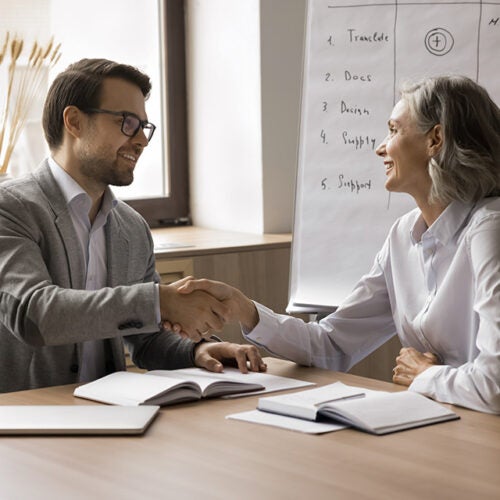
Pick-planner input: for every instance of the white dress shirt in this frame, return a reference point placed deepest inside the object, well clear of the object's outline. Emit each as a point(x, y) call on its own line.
point(437, 288)
point(92, 241)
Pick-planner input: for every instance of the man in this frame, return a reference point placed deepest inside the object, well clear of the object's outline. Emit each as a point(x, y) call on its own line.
point(77, 265)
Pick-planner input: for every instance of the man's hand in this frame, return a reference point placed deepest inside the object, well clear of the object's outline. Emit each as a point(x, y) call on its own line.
point(197, 312)
point(240, 308)
point(411, 363)
point(214, 355)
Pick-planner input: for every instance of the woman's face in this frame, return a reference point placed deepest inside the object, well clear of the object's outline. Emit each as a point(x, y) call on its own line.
point(405, 151)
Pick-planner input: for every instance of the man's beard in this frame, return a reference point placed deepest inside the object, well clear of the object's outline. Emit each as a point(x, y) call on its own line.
point(105, 171)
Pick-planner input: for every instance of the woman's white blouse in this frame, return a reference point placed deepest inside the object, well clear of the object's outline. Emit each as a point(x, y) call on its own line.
point(437, 288)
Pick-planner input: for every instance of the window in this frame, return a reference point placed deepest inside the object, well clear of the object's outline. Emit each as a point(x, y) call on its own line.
point(149, 35)
point(173, 207)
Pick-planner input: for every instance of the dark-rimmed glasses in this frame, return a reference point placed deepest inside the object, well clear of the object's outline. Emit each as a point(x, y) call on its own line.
point(131, 123)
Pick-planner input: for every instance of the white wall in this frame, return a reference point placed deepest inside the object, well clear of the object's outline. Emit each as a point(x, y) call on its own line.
point(282, 25)
point(244, 64)
point(28, 18)
point(224, 114)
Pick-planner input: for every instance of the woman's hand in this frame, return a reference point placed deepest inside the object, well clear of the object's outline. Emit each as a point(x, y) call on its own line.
point(411, 363)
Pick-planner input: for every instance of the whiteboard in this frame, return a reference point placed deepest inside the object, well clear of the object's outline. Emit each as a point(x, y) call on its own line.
point(356, 53)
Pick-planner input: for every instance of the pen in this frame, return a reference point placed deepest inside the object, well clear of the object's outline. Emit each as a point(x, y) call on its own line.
point(353, 396)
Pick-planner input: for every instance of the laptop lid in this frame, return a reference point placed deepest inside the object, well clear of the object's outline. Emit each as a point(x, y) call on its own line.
point(76, 419)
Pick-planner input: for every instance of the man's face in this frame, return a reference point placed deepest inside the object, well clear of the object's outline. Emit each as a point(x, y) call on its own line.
point(106, 155)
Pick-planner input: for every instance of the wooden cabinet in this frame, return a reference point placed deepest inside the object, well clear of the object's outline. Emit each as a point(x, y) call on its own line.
point(171, 270)
point(256, 264)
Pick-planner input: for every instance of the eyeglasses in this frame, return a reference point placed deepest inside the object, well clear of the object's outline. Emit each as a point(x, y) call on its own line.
point(131, 123)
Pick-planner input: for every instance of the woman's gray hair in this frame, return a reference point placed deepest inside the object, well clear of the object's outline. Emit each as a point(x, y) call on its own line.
point(467, 168)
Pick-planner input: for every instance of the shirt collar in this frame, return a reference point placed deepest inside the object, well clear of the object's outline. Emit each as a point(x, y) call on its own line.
point(445, 226)
point(74, 194)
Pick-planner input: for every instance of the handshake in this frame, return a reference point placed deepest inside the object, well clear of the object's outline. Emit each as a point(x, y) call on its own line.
point(195, 308)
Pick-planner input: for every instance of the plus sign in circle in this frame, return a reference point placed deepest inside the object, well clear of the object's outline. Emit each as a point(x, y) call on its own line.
point(439, 41)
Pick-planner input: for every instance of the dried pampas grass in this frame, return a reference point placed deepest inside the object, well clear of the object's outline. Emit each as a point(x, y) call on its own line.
point(27, 78)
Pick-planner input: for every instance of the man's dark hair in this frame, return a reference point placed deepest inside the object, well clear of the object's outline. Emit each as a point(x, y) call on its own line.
point(80, 85)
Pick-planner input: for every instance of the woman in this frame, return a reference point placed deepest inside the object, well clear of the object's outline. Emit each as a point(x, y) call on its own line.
point(436, 281)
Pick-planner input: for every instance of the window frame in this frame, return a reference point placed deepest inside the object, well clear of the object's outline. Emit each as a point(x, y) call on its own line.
point(173, 209)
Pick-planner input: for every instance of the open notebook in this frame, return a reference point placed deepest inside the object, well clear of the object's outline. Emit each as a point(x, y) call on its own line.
point(76, 419)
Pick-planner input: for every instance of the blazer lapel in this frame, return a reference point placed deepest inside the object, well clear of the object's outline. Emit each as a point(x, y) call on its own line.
point(64, 224)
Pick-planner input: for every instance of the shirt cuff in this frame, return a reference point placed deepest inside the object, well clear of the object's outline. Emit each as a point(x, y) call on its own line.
point(424, 382)
point(245, 331)
point(157, 303)
point(264, 330)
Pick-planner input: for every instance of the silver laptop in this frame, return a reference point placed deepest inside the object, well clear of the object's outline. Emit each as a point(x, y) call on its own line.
point(76, 419)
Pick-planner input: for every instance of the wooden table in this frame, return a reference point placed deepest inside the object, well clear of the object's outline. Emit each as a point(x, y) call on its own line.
point(191, 451)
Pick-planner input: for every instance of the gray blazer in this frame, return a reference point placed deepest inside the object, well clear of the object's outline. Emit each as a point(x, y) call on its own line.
point(45, 312)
